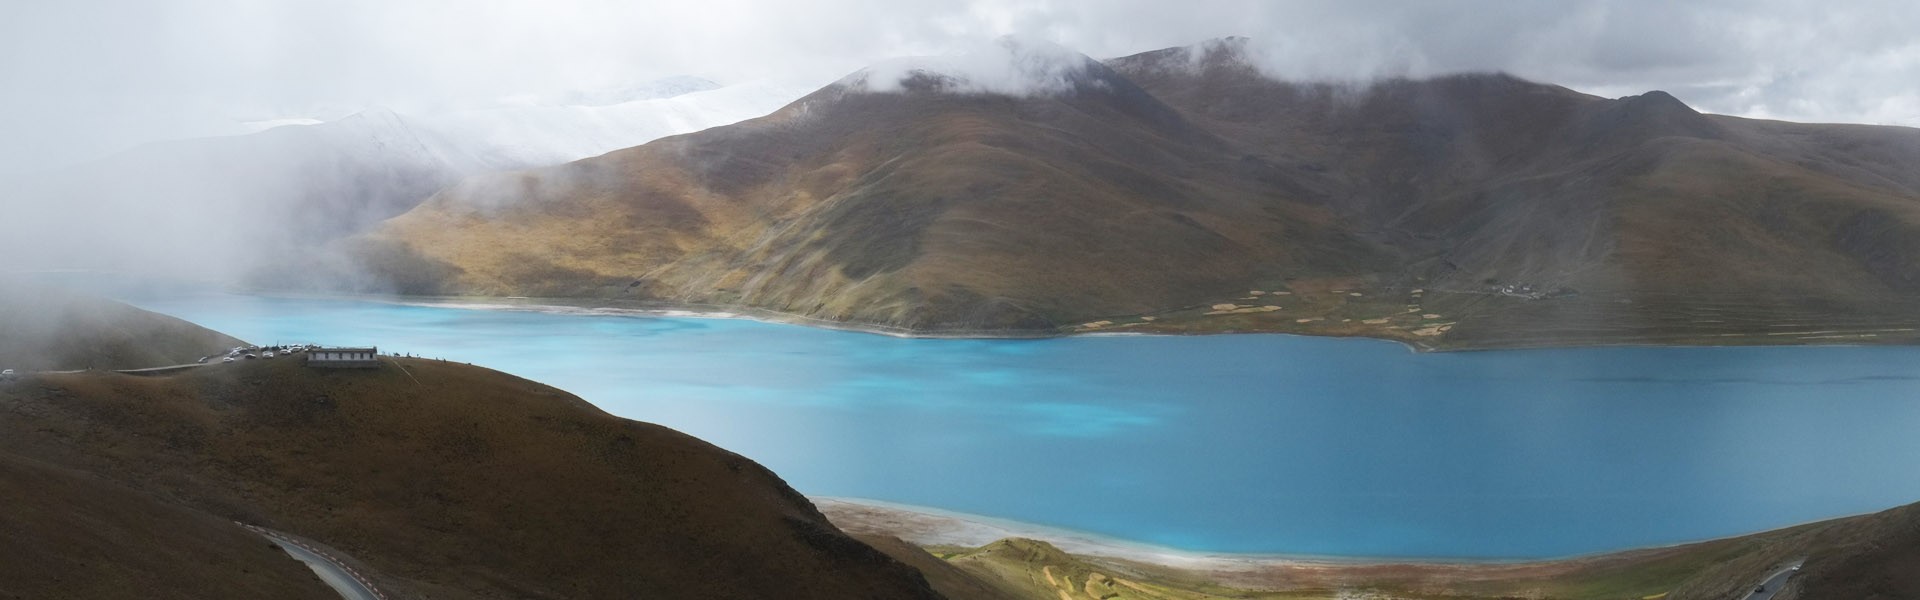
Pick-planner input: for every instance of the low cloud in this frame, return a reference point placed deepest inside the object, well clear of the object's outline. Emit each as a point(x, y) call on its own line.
point(1009, 65)
point(88, 78)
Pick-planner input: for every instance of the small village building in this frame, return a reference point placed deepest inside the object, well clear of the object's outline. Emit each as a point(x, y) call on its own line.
point(344, 358)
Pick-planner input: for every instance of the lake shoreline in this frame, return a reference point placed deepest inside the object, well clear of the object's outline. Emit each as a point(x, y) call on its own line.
point(601, 306)
point(935, 527)
point(706, 311)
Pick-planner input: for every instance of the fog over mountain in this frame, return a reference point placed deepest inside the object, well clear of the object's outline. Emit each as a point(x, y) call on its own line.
point(523, 83)
point(214, 208)
point(188, 68)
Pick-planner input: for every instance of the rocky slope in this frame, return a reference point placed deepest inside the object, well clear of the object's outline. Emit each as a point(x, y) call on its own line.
point(1032, 189)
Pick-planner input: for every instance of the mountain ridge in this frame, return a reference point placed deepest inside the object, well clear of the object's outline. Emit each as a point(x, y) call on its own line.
point(1161, 184)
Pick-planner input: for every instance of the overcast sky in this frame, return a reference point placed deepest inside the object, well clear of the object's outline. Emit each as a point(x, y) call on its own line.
point(80, 77)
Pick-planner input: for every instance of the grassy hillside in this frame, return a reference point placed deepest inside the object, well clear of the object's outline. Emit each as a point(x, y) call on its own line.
point(47, 329)
point(69, 534)
point(444, 480)
point(1858, 557)
point(1184, 191)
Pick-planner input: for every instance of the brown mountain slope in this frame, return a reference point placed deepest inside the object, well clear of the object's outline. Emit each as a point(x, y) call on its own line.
point(1867, 557)
point(48, 329)
point(1668, 222)
point(922, 209)
point(445, 480)
point(1152, 185)
point(66, 534)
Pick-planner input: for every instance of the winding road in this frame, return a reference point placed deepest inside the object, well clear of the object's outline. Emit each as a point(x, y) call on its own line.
point(1775, 582)
point(350, 584)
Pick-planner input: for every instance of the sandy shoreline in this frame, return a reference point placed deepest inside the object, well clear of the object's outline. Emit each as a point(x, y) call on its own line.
point(926, 526)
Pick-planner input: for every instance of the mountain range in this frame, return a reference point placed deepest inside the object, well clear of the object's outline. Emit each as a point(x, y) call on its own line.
point(1031, 189)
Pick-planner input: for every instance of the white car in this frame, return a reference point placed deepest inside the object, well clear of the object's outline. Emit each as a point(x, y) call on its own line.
point(267, 354)
point(7, 374)
point(227, 359)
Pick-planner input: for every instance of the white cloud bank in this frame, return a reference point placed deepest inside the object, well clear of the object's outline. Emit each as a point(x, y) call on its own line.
point(1010, 65)
point(88, 77)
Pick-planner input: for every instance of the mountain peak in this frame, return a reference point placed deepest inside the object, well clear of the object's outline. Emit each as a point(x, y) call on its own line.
point(1009, 65)
point(1657, 100)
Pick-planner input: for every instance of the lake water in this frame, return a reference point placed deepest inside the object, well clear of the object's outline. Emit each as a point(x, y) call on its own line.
point(1248, 443)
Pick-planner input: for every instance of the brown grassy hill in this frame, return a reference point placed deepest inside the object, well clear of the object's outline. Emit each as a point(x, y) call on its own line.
point(923, 209)
point(446, 480)
point(1154, 191)
point(47, 329)
point(1669, 223)
point(67, 534)
point(1869, 556)
point(1872, 557)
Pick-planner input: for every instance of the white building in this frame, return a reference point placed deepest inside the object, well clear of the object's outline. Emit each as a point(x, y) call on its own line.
point(344, 358)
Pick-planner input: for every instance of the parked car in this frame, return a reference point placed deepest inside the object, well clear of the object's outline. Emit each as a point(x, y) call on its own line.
point(227, 359)
point(202, 360)
point(7, 374)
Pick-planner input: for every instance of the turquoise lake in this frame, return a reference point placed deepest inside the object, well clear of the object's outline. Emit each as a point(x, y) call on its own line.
point(1247, 443)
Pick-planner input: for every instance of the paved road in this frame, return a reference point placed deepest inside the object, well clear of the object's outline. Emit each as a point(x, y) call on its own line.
point(343, 579)
point(1775, 582)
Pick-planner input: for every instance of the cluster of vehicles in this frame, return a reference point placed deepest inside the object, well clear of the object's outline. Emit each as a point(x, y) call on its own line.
point(253, 352)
